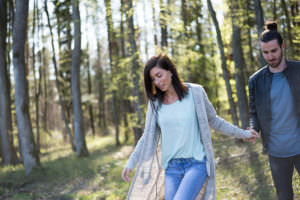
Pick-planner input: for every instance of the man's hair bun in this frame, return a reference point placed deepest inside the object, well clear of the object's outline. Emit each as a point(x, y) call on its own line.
point(271, 25)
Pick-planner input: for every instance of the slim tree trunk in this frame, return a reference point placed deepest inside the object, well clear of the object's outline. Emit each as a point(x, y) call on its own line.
point(113, 64)
point(288, 24)
point(36, 87)
point(64, 117)
point(252, 66)
point(134, 70)
point(274, 10)
point(163, 24)
point(184, 15)
point(260, 24)
point(8, 153)
point(240, 65)
point(154, 24)
point(81, 148)
point(28, 147)
point(224, 65)
point(91, 112)
point(101, 98)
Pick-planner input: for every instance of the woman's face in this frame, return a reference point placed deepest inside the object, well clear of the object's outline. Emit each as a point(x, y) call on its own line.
point(161, 78)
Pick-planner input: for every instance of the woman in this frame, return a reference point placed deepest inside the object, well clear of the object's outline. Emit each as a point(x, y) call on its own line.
point(181, 114)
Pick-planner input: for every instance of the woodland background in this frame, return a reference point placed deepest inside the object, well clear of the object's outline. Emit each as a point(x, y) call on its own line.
point(72, 103)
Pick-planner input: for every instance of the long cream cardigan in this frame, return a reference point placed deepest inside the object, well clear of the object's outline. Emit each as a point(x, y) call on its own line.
point(148, 180)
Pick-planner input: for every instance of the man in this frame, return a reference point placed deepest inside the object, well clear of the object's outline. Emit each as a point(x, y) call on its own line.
point(274, 93)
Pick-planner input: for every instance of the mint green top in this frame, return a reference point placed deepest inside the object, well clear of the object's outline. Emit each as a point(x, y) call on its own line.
point(180, 130)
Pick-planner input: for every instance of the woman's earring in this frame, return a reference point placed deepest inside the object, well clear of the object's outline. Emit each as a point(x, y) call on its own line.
point(154, 90)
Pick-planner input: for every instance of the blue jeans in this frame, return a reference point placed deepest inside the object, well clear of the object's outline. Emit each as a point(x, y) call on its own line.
point(184, 178)
point(282, 172)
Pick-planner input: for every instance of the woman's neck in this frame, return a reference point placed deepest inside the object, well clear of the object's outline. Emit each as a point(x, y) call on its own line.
point(170, 96)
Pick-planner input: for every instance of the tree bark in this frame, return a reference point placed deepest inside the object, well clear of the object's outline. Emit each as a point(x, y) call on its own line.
point(113, 52)
point(289, 29)
point(134, 70)
point(36, 85)
point(154, 24)
point(81, 148)
point(28, 147)
point(101, 98)
point(163, 24)
point(8, 153)
point(225, 72)
point(240, 65)
point(64, 117)
point(259, 24)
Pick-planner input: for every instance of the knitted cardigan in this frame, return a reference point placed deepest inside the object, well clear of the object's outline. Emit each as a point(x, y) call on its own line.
point(149, 177)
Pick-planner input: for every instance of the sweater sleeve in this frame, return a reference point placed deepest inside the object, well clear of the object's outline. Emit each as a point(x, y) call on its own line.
point(220, 124)
point(136, 154)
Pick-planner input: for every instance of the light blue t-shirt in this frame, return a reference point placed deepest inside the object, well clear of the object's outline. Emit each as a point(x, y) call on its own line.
point(285, 127)
point(180, 130)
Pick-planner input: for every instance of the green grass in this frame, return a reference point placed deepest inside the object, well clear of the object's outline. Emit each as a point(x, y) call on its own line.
point(242, 173)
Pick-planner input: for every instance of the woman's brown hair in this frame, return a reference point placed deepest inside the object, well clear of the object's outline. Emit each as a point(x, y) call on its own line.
point(164, 62)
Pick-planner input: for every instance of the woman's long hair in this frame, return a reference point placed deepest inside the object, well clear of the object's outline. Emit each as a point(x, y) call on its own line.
point(154, 93)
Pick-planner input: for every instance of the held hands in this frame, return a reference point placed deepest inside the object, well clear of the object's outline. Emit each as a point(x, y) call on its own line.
point(254, 136)
point(125, 174)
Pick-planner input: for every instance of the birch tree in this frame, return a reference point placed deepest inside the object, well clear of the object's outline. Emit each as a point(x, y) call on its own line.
point(28, 147)
point(81, 148)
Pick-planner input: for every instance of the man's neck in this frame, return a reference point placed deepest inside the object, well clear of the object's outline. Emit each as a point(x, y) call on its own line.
point(280, 67)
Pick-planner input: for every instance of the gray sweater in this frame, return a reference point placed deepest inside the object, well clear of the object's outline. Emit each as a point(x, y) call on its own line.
point(148, 180)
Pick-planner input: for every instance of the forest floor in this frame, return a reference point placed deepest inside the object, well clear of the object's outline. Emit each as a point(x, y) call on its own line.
point(242, 173)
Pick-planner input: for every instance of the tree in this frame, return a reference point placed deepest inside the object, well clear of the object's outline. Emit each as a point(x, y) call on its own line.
point(57, 84)
point(163, 24)
point(81, 148)
point(28, 147)
point(113, 56)
point(224, 65)
point(240, 65)
point(134, 71)
point(260, 24)
point(8, 152)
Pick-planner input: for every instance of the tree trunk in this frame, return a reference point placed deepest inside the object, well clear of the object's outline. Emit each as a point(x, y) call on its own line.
point(274, 10)
point(252, 67)
point(288, 24)
point(163, 24)
point(28, 147)
point(36, 86)
point(57, 82)
point(260, 24)
point(113, 65)
point(134, 70)
point(154, 24)
point(240, 65)
point(81, 148)
point(184, 15)
point(8, 153)
point(224, 65)
point(101, 98)
point(91, 113)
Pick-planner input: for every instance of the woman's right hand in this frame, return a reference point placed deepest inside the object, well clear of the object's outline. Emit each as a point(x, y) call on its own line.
point(125, 174)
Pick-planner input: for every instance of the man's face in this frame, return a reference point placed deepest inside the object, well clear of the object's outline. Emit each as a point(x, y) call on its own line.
point(272, 52)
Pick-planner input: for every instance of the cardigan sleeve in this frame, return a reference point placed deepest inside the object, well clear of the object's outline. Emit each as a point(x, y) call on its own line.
point(136, 154)
point(220, 124)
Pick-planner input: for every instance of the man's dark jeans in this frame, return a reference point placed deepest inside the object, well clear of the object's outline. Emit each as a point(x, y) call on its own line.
point(282, 172)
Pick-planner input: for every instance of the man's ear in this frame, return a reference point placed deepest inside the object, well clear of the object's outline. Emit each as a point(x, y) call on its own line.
point(283, 45)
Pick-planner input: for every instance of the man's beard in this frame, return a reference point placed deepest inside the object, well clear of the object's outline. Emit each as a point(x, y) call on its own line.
point(275, 65)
